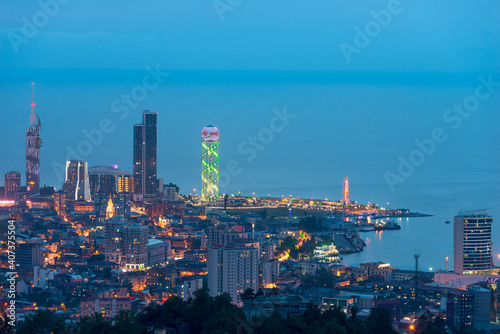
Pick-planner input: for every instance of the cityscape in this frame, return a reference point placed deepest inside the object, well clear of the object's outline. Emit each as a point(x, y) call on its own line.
point(164, 199)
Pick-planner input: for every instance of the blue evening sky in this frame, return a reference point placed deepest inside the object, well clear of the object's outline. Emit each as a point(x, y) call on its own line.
point(424, 36)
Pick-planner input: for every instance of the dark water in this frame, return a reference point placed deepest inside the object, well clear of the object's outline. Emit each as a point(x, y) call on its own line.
point(343, 125)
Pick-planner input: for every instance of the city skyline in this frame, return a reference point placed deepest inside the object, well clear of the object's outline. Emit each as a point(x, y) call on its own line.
point(347, 179)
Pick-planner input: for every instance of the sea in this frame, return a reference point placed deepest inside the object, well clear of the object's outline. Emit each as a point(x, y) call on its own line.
point(403, 139)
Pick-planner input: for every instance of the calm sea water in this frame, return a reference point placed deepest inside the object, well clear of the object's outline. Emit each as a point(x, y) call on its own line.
point(354, 125)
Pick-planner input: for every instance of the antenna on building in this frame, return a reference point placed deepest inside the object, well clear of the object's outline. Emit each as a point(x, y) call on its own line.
point(33, 97)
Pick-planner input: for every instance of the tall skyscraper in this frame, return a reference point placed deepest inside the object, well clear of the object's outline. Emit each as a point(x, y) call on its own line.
point(33, 144)
point(76, 183)
point(145, 183)
point(472, 248)
point(210, 163)
point(12, 185)
point(232, 269)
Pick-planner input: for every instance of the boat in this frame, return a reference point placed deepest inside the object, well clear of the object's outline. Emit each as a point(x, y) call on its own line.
point(390, 225)
point(447, 222)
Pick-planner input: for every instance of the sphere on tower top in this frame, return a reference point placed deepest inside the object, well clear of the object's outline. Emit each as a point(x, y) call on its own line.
point(210, 134)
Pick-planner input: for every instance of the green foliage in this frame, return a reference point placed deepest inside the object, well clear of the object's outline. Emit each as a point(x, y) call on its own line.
point(325, 277)
point(311, 224)
point(288, 244)
point(42, 322)
point(205, 314)
point(5, 327)
point(379, 321)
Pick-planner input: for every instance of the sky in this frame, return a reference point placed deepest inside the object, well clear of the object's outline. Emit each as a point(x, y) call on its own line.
point(397, 61)
point(285, 35)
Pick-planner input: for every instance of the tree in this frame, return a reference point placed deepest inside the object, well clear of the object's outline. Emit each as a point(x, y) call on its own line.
point(248, 294)
point(288, 243)
point(379, 321)
point(126, 323)
point(95, 324)
point(42, 322)
point(311, 224)
point(5, 328)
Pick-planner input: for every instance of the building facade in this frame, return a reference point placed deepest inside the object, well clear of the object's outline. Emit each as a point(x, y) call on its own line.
point(12, 185)
point(232, 269)
point(29, 254)
point(59, 198)
point(135, 246)
point(110, 180)
point(114, 239)
point(472, 247)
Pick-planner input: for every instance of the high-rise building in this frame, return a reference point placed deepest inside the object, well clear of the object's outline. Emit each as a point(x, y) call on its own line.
point(109, 179)
point(472, 248)
point(12, 185)
point(210, 163)
point(76, 183)
point(145, 183)
point(59, 198)
point(29, 254)
point(33, 144)
point(126, 243)
point(232, 269)
point(114, 239)
point(222, 237)
point(170, 192)
point(135, 246)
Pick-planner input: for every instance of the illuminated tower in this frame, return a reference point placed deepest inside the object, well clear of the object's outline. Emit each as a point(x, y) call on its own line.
point(210, 163)
point(345, 198)
point(33, 144)
point(110, 210)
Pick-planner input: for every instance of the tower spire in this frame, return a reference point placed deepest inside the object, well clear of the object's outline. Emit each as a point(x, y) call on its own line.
point(33, 97)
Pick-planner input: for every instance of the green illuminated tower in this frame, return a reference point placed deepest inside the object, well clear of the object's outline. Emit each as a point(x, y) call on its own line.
point(210, 163)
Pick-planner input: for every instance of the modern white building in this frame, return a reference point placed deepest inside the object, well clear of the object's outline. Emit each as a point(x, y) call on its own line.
point(232, 269)
point(41, 277)
point(76, 181)
point(472, 248)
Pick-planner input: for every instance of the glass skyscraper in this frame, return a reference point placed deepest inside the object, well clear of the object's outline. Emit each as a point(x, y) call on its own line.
point(145, 183)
